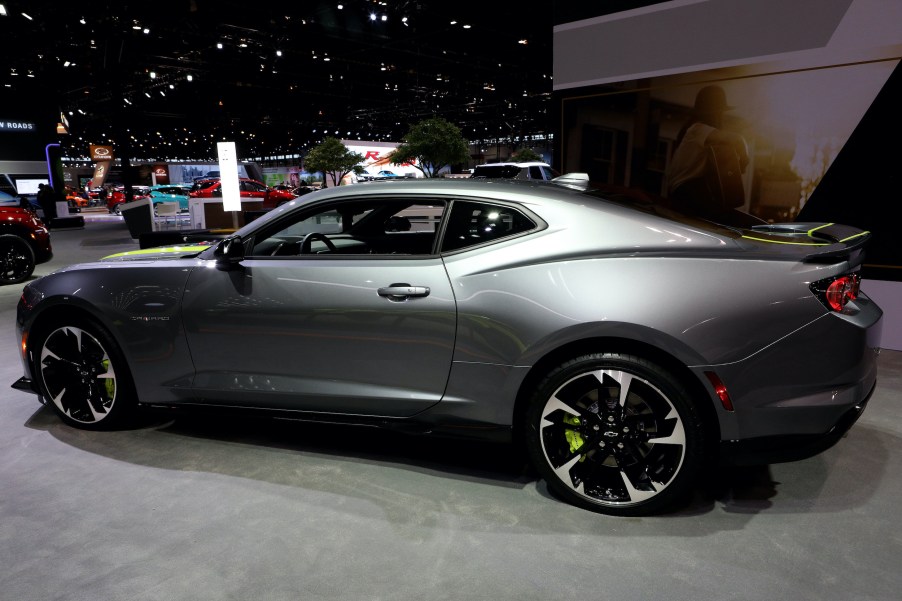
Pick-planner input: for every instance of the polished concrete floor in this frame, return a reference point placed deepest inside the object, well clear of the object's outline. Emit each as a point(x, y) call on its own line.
point(192, 508)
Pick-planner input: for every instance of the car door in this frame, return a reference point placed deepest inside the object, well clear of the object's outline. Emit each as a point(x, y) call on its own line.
point(367, 328)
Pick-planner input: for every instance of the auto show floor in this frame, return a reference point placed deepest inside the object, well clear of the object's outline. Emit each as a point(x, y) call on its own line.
point(190, 507)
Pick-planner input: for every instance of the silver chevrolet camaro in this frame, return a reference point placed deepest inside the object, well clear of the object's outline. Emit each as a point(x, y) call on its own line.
point(623, 345)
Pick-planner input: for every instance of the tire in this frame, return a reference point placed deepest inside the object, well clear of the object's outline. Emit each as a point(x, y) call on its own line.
point(82, 374)
point(615, 434)
point(16, 259)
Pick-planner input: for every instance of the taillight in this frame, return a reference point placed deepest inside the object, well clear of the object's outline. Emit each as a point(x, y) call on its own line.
point(837, 291)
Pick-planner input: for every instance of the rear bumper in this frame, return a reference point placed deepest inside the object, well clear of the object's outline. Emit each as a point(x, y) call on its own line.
point(777, 449)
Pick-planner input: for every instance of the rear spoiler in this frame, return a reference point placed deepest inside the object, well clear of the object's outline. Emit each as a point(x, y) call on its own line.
point(578, 181)
point(828, 241)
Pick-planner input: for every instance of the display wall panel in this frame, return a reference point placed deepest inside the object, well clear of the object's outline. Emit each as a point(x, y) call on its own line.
point(813, 89)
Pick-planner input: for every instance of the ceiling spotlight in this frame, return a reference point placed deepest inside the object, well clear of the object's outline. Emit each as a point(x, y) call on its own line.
point(82, 21)
point(2, 10)
point(404, 19)
point(153, 74)
point(341, 6)
point(524, 42)
point(147, 94)
point(453, 22)
point(145, 30)
point(190, 77)
point(219, 45)
point(171, 86)
point(385, 17)
point(467, 26)
point(372, 16)
point(66, 64)
point(27, 16)
point(278, 53)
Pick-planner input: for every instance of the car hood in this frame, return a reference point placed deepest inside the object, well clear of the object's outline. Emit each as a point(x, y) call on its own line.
point(152, 254)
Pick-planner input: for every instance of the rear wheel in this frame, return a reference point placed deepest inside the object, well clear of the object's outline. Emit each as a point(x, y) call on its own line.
point(82, 374)
point(615, 434)
point(16, 259)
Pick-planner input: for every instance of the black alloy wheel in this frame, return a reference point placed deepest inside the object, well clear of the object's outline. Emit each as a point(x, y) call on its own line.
point(16, 259)
point(615, 434)
point(83, 376)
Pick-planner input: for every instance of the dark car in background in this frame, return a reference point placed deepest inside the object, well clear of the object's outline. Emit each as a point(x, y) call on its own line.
point(625, 347)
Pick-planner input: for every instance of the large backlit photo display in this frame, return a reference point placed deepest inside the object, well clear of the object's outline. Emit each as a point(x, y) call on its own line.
point(803, 136)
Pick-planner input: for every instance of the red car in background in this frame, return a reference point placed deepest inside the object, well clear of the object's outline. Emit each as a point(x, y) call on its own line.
point(24, 242)
point(249, 188)
point(116, 197)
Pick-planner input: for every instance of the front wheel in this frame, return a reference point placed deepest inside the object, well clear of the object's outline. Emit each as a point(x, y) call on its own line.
point(82, 374)
point(16, 259)
point(615, 434)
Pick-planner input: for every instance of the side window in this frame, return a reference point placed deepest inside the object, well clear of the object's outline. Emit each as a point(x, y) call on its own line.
point(359, 227)
point(474, 223)
point(549, 172)
point(535, 172)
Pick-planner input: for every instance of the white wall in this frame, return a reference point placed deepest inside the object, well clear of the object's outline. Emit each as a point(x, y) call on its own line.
point(888, 295)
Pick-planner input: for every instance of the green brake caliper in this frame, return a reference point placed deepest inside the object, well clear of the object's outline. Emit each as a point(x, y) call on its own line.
point(574, 438)
point(109, 383)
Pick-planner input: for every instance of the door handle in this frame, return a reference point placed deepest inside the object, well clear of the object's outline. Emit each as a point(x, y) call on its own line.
point(400, 292)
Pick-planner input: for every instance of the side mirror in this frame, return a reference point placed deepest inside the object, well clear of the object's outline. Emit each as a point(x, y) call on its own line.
point(230, 251)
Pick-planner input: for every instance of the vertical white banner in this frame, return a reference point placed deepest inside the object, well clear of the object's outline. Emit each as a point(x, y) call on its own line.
point(228, 176)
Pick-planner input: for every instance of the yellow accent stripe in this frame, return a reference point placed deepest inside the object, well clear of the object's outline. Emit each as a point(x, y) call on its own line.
point(855, 236)
point(168, 249)
point(858, 235)
point(781, 242)
point(812, 230)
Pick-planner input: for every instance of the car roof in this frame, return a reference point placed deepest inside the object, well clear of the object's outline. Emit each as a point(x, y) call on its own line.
point(521, 191)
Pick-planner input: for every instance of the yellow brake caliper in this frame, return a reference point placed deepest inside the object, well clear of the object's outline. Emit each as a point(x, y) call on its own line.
point(109, 384)
point(574, 438)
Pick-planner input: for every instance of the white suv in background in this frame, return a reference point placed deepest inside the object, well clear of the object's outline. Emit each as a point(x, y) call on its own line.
point(531, 170)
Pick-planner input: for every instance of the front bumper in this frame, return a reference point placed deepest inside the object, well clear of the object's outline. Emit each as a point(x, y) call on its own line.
point(26, 385)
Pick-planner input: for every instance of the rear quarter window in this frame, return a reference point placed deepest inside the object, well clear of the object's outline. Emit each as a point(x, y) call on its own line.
point(475, 223)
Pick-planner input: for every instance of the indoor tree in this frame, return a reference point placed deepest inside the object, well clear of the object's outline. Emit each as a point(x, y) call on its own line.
point(334, 160)
point(526, 155)
point(430, 145)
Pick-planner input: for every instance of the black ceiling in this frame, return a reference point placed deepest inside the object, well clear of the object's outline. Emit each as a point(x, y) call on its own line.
point(287, 73)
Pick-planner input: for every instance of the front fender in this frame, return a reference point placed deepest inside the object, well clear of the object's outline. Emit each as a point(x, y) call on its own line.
point(139, 306)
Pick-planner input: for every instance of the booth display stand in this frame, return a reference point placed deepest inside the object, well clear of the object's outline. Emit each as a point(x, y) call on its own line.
point(138, 216)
